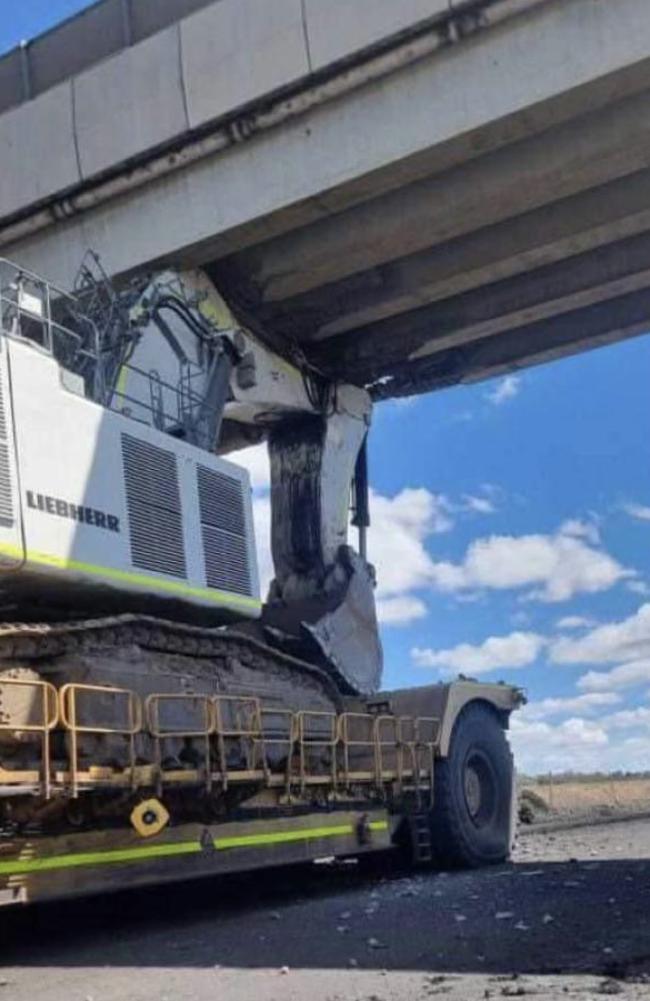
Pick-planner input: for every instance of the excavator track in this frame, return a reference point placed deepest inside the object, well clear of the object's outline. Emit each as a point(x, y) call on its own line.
point(35, 641)
point(145, 654)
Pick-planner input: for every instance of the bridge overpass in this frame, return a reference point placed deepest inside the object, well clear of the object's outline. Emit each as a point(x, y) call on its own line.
point(412, 193)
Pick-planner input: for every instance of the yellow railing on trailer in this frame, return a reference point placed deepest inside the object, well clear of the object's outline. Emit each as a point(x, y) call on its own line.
point(232, 730)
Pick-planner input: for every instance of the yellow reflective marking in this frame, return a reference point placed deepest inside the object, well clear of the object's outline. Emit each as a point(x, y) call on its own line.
point(139, 580)
point(280, 837)
point(52, 862)
point(120, 385)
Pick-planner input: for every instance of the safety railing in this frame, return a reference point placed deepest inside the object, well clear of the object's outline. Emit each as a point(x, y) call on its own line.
point(155, 400)
point(34, 309)
point(29, 698)
point(316, 731)
point(358, 739)
point(237, 728)
point(388, 740)
point(277, 734)
point(225, 739)
point(427, 738)
point(199, 725)
point(70, 717)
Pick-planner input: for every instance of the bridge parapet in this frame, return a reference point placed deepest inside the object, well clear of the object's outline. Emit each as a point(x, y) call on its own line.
point(123, 79)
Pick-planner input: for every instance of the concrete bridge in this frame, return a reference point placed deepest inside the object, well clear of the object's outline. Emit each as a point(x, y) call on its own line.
point(415, 193)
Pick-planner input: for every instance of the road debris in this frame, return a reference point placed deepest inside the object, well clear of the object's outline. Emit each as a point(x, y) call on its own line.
point(609, 986)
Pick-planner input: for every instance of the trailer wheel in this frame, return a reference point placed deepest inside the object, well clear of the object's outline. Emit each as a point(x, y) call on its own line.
point(470, 820)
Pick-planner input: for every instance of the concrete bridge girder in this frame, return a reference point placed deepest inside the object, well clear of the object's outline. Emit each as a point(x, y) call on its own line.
point(428, 223)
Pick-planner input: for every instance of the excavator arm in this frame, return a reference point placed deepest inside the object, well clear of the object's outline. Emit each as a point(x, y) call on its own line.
point(322, 596)
point(234, 390)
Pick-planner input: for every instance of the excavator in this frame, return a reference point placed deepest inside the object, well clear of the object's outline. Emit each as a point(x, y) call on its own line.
point(158, 721)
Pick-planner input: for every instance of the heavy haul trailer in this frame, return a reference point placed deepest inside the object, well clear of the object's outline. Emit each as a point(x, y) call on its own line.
point(157, 721)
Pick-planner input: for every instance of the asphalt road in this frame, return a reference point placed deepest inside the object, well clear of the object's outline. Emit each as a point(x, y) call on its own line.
point(569, 918)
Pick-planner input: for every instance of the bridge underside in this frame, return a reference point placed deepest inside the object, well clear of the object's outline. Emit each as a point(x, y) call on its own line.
point(535, 251)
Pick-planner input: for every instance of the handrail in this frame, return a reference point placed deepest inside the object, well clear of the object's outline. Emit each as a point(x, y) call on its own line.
point(219, 720)
point(345, 719)
point(306, 739)
point(49, 720)
point(248, 732)
point(289, 739)
point(160, 733)
point(68, 712)
point(428, 746)
point(394, 742)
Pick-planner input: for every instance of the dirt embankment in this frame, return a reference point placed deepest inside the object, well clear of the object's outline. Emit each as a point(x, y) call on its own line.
point(546, 800)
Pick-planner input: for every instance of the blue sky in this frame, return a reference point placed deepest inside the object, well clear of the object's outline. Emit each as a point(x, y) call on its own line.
point(511, 536)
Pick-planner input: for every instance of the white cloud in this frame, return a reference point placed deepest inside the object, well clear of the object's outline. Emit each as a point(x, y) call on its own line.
point(575, 622)
point(639, 511)
point(256, 460)
point(615, 641)
point(639, 587)
point(505, 389)
point(399, 527)
point(548, 567)
point(627, 719)
point(579, 529)
point(478, 505)
point(262, 523)
point(631, 675)
point(495, 653)
point(400, 610)
point(405, 402)
point(554, 567)
point(572, 705)
point(619, 741)
point(575, 744)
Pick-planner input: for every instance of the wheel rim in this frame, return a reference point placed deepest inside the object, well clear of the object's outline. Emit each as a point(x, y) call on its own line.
point(480, 788)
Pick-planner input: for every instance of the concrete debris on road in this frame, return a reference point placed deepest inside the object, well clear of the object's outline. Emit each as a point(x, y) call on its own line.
point(610, 986)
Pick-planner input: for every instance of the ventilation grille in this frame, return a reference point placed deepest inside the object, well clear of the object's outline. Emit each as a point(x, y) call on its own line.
point(154, 505)
point(6, 498)
point(223, 529)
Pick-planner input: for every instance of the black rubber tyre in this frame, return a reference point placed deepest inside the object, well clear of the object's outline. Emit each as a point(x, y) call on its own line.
point(470, 820)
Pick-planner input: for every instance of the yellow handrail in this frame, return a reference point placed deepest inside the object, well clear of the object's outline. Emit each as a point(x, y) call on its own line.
point(68, 712)
point(160, 733)
point(49, 720)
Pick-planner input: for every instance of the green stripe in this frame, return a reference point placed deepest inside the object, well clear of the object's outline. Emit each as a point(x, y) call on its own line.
point(138, 580)
point(52, 862)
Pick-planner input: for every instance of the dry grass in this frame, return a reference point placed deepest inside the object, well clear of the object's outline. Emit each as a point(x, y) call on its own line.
point(589, 798)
